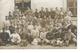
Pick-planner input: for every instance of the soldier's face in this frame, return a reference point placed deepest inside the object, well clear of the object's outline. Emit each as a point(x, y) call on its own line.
point(61, 9)
point(36, 10)
point(42, 8)
point(51, 9)
point(56, 8)
point(46, 9)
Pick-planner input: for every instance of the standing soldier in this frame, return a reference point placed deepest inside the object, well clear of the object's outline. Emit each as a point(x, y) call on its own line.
point(36, 13)
point(61, 15)
point(57, 14)
point(41, 12)
point(61, 12)
point(52, 13)
point(47, 12)
point(69, 13)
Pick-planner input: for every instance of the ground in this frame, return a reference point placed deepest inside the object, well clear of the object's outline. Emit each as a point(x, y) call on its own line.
point(37, 47)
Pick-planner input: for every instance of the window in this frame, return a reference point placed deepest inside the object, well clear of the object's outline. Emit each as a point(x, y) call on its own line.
point(23, 4)
point(72, 5)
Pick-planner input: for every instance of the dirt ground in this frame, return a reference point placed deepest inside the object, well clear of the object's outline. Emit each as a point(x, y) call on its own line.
point(37, 47)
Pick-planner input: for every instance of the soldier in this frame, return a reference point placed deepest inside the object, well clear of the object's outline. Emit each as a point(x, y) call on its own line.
point(10, 16)
point(15, 38)
point(36, 13)
point(69, 36)
point(35, 35)
point(41, 12)
point(61, 15)
point(11, 28)
point(56, 14)
point(52, 13)
point(30, 27)
point(57, 11)
point(67, 20)
point(69, 13)
point(43, 38)
point(47, 13)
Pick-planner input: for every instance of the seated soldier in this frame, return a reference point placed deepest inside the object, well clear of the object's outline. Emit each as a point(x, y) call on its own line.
point(15, 38)
point(36, 41)
point(59, 42)
point(30, 27)
point(70, 37)
point(35, 36)
point(73, 28)
point(43, 38)
point(35, 32)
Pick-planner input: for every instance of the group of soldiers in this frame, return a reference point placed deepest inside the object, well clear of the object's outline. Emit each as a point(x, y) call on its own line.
point(44, 27)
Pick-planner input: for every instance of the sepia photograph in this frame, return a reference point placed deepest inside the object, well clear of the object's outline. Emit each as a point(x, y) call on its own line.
point(38, 24)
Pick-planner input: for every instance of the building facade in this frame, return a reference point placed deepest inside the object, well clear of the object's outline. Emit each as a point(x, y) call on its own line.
point(66, 4)
point(5, 7)
point(8, 5)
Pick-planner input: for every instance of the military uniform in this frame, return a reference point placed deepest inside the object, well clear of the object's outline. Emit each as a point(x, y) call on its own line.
point(36, 14)
point(41, 13)
point(47, 13)
point(52, 14)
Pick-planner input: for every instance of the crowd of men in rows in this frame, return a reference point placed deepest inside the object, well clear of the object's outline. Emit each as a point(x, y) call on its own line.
point(44, 27)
